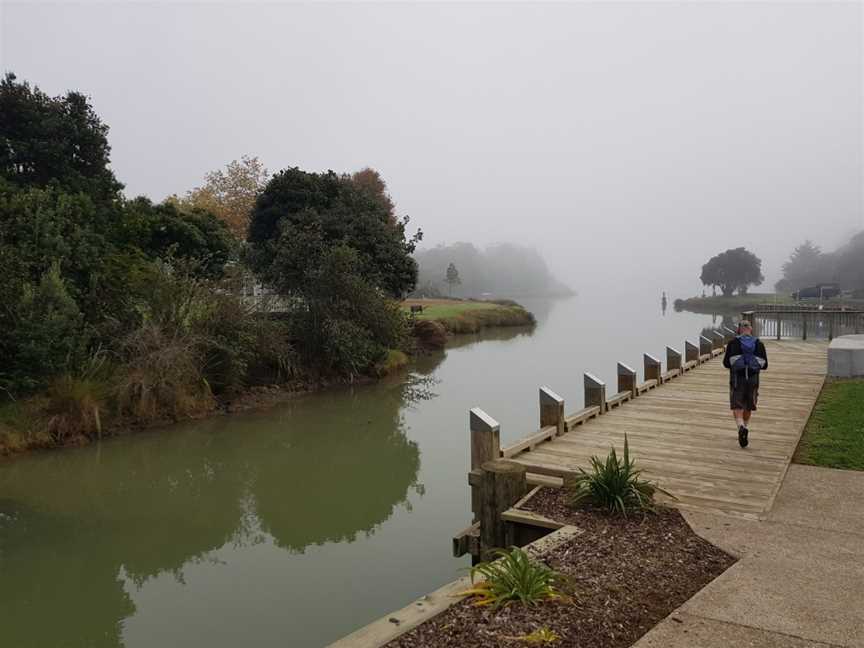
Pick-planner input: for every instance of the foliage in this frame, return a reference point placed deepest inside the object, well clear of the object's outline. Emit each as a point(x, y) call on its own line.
point(327, 210)
point(166, 231)
point(514, 576)
point(54, 141)
point(732, 270)
point(161, 374)
point(834, 436)
point(614, 485)
point(230, 194)
point(43, 334)
point(807, 266)
point(539, 636)
point(74, 406)
point(452, 277)
point(474, 316)
point(429, 334)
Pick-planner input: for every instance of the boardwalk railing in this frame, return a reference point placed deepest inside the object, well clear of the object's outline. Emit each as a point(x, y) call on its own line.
point(804, 322)
point(497, 484)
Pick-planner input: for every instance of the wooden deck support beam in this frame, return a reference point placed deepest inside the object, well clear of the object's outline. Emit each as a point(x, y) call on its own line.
point(485, 446)
point(691, 355)
point(551, 410)
point(595, 392)
point(673, 361)
point(502, 485)
point(705, 347)
point(652, 368)
point(626, 379)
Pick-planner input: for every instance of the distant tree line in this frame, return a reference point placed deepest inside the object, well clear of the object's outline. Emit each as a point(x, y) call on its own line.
point(504, 270)
point(809, 266)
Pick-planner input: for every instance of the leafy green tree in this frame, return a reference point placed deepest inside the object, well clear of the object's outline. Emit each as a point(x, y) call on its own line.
point(44, 335)
point(452, 277)
point(734, 269)
point(341, 213)
point(164, 230)
point(54, 141)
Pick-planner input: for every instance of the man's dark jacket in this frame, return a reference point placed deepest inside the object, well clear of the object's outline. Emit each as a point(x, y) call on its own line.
point(733, 349)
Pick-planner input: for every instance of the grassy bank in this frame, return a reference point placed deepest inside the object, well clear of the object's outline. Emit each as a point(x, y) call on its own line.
point(732, 304)
point(834, 437)
point(458, 316)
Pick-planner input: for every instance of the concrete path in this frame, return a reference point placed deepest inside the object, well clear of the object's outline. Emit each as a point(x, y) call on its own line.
point(800, 578)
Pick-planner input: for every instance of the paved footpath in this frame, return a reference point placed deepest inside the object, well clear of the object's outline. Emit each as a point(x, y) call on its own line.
point(799, 581)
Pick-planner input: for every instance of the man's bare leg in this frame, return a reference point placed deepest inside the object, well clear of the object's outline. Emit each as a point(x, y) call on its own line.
point(747, 414)
point(740, 416)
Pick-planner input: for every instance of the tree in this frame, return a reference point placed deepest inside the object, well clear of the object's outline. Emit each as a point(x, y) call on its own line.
point(807, 266)
point(166, 230)
point(56, 141)
point(230, 194)
point(732, 270)
point(333, 210)
point(452, 278)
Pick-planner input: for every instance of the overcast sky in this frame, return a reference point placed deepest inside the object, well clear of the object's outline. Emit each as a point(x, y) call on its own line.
point(628, 142)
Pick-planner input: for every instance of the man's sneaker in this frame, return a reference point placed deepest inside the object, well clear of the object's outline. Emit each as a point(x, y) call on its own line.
point(742, 436)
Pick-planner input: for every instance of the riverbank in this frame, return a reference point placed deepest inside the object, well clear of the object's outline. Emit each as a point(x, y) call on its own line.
point(736, 304)
point(26, 424)
point(732, 304)
point(470, 316)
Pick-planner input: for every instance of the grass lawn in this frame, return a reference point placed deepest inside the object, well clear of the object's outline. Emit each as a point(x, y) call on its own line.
point(471, 316)
point(834, 437)
point(436, 309)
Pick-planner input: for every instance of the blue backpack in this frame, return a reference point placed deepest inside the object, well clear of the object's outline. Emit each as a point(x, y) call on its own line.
point(747, 361)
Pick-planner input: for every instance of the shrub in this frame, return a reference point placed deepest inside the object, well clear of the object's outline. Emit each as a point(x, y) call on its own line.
point(46, 334)
point(162, 375)
point(74, 407)
point(614, 485)
point(393, 361)
point(513, 577)
point(429, 334)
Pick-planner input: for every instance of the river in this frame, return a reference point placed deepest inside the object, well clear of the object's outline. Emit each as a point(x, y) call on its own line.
point(293, 526)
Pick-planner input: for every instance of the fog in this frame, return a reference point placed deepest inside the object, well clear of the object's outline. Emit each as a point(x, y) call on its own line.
point(626, 142)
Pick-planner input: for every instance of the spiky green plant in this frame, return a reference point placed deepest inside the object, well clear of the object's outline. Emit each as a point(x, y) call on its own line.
point(514, 576)
point(615, 485)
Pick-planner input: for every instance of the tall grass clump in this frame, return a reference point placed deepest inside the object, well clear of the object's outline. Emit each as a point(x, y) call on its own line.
point(514, 576)
point(615, 485)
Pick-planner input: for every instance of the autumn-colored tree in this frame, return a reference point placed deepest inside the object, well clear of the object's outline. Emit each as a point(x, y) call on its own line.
point(369, 181)
point(230, 194)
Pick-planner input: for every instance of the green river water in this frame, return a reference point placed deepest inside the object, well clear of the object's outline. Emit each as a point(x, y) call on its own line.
point(293, 526)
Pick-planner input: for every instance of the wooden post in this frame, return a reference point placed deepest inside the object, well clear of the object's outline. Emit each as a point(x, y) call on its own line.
point(551, 410)
point(730, 334)
point(691, 351)
point(719, 339)
point(595, 392)
point(626, 379)
point(652, 368)
point(704, 346)
point(831, 318)
point(778, 324)
point(485, 446)
point(502, 484)
point(804, 325)
point(673, 360)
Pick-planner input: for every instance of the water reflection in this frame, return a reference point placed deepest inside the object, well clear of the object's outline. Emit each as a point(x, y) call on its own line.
point(74, 524)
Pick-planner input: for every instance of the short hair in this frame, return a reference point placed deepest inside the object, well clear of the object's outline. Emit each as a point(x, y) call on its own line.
point(744, 324)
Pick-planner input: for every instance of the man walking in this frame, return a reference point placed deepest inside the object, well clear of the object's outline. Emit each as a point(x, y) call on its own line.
point(745, 359)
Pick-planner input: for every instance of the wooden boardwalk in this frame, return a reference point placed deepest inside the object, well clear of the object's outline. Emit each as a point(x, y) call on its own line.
point(683, 436)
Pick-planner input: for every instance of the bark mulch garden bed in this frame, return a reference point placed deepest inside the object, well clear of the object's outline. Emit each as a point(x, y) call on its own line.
point(622, 576)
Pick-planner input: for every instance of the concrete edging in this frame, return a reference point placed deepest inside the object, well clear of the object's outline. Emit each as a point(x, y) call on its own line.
point(393, 625)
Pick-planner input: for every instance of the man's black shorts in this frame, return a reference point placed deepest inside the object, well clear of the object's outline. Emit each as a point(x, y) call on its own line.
point(743, 395)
